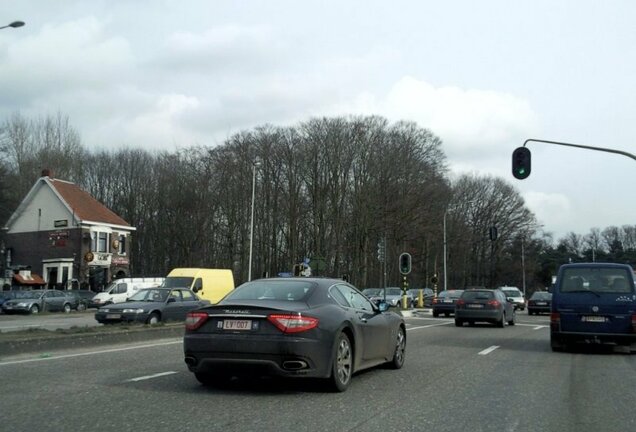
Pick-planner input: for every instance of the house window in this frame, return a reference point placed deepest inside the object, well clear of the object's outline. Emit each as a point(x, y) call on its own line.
point(122, 244)
point(102, 242)
point(99, 241)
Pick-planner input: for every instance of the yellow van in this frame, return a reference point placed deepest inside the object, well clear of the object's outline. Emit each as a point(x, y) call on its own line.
point(208, 284)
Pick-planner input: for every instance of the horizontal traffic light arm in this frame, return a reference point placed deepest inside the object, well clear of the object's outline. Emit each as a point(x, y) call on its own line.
point(620, 152)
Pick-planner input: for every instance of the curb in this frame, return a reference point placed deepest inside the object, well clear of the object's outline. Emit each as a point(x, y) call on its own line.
point(68, 341)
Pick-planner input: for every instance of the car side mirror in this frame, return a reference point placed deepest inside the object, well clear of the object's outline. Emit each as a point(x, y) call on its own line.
point(383, 306)
point(196, 289)
point(509, 299)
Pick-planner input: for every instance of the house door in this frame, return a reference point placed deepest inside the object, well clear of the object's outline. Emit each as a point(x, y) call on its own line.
point(52, 277)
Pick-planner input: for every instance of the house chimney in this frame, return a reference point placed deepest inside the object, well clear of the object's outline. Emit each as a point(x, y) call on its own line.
point(47, 173)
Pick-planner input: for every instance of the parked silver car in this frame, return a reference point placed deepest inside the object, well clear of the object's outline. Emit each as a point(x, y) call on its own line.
point(36, 301)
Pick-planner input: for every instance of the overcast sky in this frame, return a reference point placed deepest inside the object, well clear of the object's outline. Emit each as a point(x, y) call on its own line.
point(482, 75)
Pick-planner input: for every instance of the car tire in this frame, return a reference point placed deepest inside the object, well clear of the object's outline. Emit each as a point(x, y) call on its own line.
point(459, 323)
point(342, 365)
point(67, 308)
point(514, 319)
point(34, 309)
point(81, 307)
point(153, 319)
point(502, 322)
point(435, 314)
point(400, 350)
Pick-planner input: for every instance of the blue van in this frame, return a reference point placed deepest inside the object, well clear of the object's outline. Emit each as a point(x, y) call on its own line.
point(593, 302)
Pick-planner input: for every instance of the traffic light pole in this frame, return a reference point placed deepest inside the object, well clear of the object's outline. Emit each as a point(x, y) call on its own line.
point(608, 150)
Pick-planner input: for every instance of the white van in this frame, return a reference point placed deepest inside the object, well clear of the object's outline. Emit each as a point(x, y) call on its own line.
point(120, 289)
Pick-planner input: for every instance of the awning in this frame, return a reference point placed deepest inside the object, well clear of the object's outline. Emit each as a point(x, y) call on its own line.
point(33, 279)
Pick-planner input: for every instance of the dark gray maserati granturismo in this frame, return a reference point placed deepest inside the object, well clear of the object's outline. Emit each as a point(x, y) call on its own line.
point(293, 327)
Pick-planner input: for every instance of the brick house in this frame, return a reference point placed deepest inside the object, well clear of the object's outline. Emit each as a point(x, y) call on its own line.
point(61, 232)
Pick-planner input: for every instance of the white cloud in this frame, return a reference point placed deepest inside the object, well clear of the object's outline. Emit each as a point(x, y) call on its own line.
point(472, 123)
point(556, 208)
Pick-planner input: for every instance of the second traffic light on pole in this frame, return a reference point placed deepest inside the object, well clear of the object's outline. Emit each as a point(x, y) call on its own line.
point(405, 263)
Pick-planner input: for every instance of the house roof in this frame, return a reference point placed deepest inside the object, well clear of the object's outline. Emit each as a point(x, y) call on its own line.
point(83, 205)
point(31, 279)
point(85, 208)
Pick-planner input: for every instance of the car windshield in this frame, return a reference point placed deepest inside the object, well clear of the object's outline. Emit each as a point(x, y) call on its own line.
point(372, 291)
point(291, 290)
point(541, 296)
point(393, 292)
point(596, 279)
point(451, 294)
point(512, 292)
point(477, 295)
point(150, 295)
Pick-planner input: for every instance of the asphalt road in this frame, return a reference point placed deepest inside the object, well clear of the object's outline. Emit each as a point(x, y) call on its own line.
point(478, 378)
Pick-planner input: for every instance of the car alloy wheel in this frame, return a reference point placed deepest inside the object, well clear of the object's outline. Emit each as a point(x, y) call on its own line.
point(154, 319)
point(400, 350)
point(342, 367)
point(67, 308)
point(34, 309)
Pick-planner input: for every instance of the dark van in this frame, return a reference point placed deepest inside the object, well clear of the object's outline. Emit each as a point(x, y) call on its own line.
point(593, 302)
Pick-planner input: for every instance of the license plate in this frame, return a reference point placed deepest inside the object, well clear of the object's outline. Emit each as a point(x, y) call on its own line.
point(113, 316)
point(447, 301)
point(599, 319)
point(232, 324)
point(475, 306)
point(542, 304)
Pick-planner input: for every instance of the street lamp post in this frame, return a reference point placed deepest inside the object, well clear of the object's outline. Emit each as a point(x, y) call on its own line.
point(14, 24)
point(255, 165)
point(445, 286)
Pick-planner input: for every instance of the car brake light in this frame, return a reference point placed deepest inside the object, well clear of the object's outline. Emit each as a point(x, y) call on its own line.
point(435, 300)
point(460, 302)
point(494, 303)
point(555, 321)
point(194, 320)
point(288, 323)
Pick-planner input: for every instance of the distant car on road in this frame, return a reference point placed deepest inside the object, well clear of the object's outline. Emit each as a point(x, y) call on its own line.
point(484, 305)
point(293, 327)
point(152, 306)
point(373, 293)
point(539, 302)
point(32, 302)
point(84, 298)
point(444, 303)
point(393, 297)
point(516, 295)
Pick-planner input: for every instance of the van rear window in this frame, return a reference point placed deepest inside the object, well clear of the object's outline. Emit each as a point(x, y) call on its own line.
point(600, 280)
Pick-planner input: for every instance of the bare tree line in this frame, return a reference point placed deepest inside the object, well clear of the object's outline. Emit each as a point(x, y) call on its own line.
point(327, 189)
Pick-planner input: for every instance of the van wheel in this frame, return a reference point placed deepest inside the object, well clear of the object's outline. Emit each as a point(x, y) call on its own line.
point(154, 318)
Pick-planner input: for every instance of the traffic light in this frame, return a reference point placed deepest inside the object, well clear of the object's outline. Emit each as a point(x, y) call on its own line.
point(381, 250)
point(405, 263)
point(521, 163)
point(492, 233)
